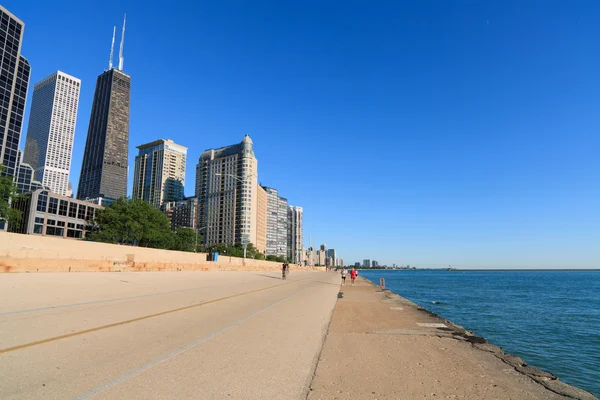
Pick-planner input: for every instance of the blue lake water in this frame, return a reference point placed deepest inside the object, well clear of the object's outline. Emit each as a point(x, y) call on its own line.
point(549, 318)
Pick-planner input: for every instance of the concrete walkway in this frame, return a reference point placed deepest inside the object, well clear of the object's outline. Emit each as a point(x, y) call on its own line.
point(382, 346)
point(198, 335)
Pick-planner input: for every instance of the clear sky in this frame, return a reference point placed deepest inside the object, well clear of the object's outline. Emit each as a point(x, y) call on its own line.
point(428, 133)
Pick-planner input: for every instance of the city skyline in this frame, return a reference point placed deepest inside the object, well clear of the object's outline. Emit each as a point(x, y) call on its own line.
point(459, 175)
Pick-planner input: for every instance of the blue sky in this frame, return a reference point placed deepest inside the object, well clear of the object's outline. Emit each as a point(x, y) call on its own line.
point(428, 133)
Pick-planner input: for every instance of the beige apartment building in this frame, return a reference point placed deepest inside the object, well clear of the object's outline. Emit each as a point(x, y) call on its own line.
point(159, 174)
point(227, 192)
point(261, 220)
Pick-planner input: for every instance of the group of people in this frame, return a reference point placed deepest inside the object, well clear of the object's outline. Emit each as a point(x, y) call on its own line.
point(353, 274)
point(285, 270)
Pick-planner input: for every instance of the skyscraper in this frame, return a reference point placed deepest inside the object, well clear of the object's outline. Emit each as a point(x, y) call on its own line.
point(277, 223)
point(104, 167)
point(295, 234)
point(226, 188)
point(331, 254)
point(14, 79)
point(159, 173)
point(261, 220)
point(51, 130)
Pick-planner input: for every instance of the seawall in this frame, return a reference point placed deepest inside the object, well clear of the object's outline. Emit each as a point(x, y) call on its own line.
point(32, 253)
point(382, 346)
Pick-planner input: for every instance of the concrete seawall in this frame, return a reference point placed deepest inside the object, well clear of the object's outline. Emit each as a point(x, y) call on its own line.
point(32, 253)
point(382, 346)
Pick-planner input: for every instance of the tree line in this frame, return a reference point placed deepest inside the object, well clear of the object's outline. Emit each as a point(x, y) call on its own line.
point(138, 223)
point(134, 223)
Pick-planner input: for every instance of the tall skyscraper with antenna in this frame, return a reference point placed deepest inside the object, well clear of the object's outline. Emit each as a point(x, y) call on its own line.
point(105, 159)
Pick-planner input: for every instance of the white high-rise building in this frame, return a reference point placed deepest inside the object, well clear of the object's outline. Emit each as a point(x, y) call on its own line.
point(51, 130)
point(226, 188)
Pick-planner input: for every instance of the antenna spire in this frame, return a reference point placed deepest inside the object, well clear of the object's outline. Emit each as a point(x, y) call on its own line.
point(122, 40)
point(112, 47)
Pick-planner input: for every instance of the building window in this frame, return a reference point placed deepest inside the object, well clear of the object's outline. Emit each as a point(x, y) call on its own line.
point(72, 233)
point(81, 212)
point(62, 210)
point(42, 202)
point(38, 229)
point(73, 210)
point(53, 205)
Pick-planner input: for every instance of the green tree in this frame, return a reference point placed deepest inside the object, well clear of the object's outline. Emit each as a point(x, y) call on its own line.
point(271, 257)
point(8, 194)
point(259, 256)
point(133, 222)
point(184, 239)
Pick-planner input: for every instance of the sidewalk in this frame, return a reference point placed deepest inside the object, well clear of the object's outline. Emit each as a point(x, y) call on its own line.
point(382, 346)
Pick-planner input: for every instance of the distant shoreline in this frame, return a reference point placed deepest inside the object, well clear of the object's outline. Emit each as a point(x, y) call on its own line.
point(482, 270)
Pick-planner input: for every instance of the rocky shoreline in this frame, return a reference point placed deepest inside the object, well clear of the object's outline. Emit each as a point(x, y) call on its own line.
point(380, 345)
point(458, 332)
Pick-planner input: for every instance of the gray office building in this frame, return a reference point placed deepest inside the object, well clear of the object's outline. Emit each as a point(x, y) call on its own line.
point(14, 79)
point(277, 224)
point(295, 234)
point(104, 168)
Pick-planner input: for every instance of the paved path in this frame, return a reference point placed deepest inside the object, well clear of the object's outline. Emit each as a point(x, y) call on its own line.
point(199, 335)
point(381, 346)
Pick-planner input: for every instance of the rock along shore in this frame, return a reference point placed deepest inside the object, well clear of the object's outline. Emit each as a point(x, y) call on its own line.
point(382, 346)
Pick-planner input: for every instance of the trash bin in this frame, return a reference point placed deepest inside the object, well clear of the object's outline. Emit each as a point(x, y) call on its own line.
point(216, 256)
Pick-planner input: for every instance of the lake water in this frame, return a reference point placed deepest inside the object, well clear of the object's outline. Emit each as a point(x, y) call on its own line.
point(549, 318)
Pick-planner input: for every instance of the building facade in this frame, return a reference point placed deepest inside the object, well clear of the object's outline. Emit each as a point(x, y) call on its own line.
point(182, 213)
point(295, 253)
point(366, 263)
point(49, 214)
point(104, 167)
point(331, 257)
point(51, 130)
point(261, 220)
point(226, 188)
point(159, 172)
point(24, 180)
point(277, 224)
point(14, 80)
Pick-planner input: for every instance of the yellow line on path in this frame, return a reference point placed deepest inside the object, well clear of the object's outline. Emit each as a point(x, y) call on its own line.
point(53, 339)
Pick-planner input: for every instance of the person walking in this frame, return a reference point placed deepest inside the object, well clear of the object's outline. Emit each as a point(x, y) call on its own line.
point(353, 274)
point(283, 271)
point(344, 272)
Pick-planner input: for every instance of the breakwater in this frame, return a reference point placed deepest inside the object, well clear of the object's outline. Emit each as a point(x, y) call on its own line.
point(551, 319)
point(381, 345)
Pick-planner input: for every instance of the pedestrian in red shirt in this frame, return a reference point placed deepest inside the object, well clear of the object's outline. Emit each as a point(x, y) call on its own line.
point(353, 274)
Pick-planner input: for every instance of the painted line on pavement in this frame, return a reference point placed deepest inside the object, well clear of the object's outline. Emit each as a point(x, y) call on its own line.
point(180, 350)
point(86, 303)
point(99, 328)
